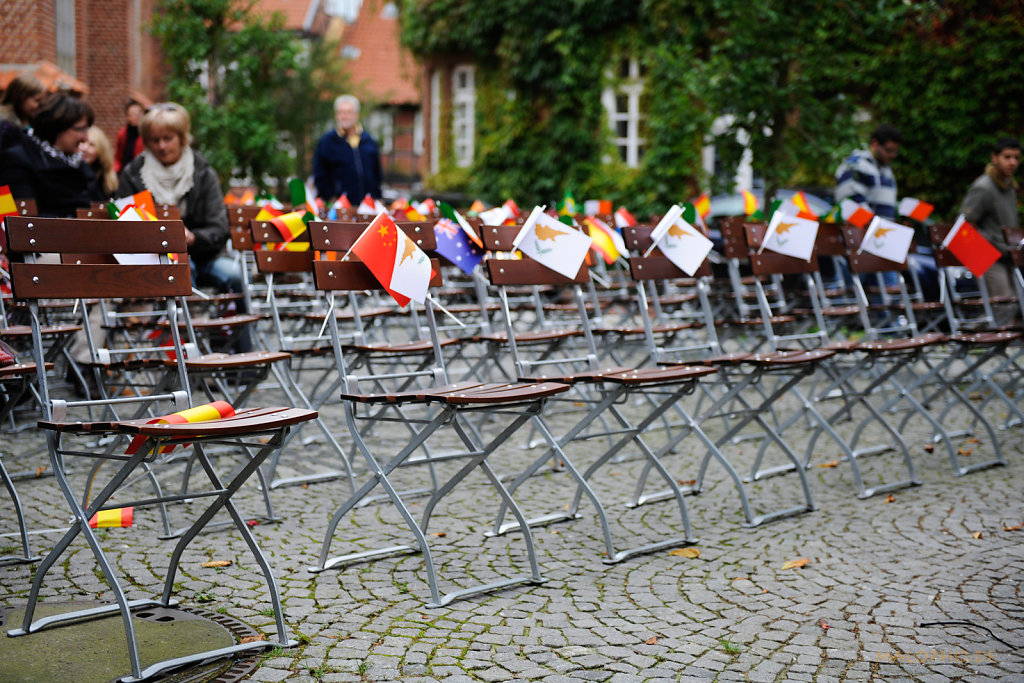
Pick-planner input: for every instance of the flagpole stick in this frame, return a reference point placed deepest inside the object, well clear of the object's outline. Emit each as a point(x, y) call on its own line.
point(445, 311)
point(650, 249)
point(600, 280)
point(327, 317)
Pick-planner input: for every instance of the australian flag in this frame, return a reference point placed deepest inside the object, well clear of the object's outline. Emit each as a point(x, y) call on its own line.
point(454, 245)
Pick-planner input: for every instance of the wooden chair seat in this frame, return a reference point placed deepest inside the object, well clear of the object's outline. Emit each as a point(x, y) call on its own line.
point(418, 347)
point(230, 361)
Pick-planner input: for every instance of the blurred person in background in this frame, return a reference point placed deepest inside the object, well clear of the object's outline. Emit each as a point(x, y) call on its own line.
point(128, 143)
point(99, 156)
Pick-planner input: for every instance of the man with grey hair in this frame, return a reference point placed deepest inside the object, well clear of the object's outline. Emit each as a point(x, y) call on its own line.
point(347, 158)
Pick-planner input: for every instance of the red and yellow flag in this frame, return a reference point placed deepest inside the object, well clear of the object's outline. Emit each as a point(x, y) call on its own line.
point(113, 519)
point(290, 225)
point(209, 411)
point(750, 203)
point(7, 205)
point(703, 205)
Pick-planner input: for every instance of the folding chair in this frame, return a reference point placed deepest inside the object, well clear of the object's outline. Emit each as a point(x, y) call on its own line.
point(257, 431)
point(921, 370)
point(15, 383)
point(436, 404)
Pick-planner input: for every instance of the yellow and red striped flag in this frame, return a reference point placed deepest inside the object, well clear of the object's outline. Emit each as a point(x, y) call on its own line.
point(113, 519)
point(290, 225)
point(800, 200)
point(703, 205)
point(204, 413)
point(7, 205)
point(750, 203)
point(607, 241)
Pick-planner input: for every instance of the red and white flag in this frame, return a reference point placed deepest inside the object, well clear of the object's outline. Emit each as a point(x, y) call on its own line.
point(399, 265)
point(970, 248)
point(623, 218)
point(552, 243)
point(855, 214)
point(887, 239)
point(370, 207)
point(915, 208)
point(141, 200)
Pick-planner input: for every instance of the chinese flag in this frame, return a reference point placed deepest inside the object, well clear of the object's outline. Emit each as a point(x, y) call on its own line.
point(972, 250)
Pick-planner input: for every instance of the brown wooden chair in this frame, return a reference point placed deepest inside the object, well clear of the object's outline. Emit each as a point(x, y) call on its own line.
point(71, 430)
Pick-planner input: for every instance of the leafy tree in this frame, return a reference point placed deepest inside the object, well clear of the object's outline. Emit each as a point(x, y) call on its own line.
point(244, 80)
point(950, 82)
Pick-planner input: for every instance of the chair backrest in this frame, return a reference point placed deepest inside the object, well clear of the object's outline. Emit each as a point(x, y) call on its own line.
point(767, 262)
point(900, 317)
point(239, 218)
point(865, 262)
point(145, 270)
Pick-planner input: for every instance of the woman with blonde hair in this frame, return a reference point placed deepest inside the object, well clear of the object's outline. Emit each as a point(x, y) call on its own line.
point(99, 156)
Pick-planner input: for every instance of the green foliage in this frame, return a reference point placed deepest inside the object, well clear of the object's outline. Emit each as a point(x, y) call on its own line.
point(244, 80)
point(951, 84)
point(800, 84)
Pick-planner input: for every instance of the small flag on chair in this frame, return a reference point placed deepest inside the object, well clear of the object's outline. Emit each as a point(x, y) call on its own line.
point(7, 205)
point(915, 209)
point(370, 207)
point(290, 226)
point(342, 202)
point(141, 200)
point(750, 203)
point(969, 246)
point(790, 236)
point(703, 206)
point(623, 218)
point(552, 243)
point(887, 239)
point(682, 243)
point(204, 413)
point(477, 207)
point(855, 214)
point(607, 240)
point(399, 265)
point(456, 240)
point(113, 519)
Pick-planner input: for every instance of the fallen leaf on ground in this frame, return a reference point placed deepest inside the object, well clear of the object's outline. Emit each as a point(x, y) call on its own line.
point(251, 639)
point(972, 440)
point(40, 470)
point(823, 624)
point(741, 578)
point(685, 552)
point(830, 463)
point(213, 564)
point(928, 448)
point(439, 534)
point(687, 482)
point(653, 640)
point(793, 564)
point(252, 522)
point(976, 534)
point(964, 451)
point(890, 498)
point(1013, 528)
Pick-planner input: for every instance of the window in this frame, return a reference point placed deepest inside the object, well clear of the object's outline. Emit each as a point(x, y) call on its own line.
point(435, 121)
point(463, 114)
point(66, 35)
point(381, 124)
point(417, 133)
point(622, 102)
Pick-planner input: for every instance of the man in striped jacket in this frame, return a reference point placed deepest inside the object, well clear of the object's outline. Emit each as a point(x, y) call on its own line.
point(866, 176)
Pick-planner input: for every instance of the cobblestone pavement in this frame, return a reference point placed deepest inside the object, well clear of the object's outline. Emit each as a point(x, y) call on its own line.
point(921, 585)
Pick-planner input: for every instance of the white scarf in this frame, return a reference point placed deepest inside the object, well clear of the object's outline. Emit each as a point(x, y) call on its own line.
point(169, 184)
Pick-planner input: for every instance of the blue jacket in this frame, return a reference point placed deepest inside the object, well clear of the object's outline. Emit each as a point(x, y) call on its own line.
point(337, 168)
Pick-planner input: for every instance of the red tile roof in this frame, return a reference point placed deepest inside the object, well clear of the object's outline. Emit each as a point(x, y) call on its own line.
point(299, 15)
point(378, 65)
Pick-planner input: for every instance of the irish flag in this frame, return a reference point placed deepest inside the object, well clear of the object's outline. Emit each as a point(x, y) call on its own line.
point(204, 413)
point(968, 245)
point(141, 200)
point(915, 209)
point(855, 214)
point(399, 265)
point(113, 519)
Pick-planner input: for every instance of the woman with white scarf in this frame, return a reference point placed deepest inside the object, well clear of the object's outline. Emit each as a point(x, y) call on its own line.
point(176, 174)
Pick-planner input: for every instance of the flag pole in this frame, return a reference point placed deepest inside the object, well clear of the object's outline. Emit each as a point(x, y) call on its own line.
point(444, 310)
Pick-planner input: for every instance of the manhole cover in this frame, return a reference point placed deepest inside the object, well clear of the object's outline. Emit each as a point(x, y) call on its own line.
point(94, 649)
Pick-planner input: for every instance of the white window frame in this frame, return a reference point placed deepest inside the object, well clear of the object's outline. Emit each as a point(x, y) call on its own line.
point(65, 35)
point(381, 123)
point(435, 121)
point(632, 88)
point(463, 114)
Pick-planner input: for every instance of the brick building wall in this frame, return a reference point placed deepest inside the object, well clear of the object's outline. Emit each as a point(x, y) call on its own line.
point(114, 56)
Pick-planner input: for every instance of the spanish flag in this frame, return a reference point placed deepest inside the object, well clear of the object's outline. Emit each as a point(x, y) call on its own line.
point(290, 225)
point(7, 205)
point(703, 205)
point(113, 519)
point(217, 410)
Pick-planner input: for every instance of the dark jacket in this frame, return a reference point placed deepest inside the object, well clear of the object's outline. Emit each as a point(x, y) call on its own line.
point(204, 212)
point(57, 187)
point(338, 169)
